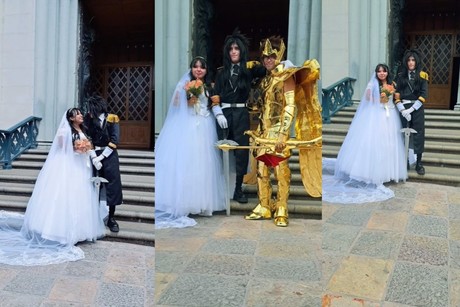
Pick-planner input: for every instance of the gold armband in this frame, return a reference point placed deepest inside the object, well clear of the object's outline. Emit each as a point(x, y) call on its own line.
point(112, 145)
point(421, 99)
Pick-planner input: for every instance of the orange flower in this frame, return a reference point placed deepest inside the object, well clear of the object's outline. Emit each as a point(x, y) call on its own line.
point(194, 87)
point(386, 90)
point(82, 146)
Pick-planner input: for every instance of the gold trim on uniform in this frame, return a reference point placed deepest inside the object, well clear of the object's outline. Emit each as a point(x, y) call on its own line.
point(113, 118)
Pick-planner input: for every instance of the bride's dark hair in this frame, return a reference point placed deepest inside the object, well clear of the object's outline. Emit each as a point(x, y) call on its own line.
point(72, 112)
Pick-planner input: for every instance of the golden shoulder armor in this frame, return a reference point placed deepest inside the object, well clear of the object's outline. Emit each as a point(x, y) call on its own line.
point(424, 75)
point(113, 118)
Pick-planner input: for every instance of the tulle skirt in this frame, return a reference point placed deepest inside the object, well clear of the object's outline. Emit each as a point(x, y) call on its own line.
point(373, 150)
point(62, 211)
point(188, 168)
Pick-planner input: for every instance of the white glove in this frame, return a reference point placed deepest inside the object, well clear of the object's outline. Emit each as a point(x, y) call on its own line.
point(400, 107)
point(98, 159)
point(95, 159)
point(407, 111)
point(222, 121)
point(417, 104)
point(107, 151)
point(407, 116)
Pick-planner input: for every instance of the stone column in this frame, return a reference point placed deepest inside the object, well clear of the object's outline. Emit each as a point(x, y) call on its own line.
point(304, 35)
point(56, 77)
point(172, 51)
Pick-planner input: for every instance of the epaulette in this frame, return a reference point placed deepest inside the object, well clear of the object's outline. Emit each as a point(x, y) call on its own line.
point(113, 118)
point(251, 64)
point(424, 75)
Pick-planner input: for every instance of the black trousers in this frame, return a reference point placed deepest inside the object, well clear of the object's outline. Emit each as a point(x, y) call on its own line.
point(111, 171)
point(238, 123)
point(418, 124)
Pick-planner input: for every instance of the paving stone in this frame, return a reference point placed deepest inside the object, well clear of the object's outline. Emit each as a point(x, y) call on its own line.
point(424, 250)
point(125, 274)
point(428, 226)
point(331, 300)
point(205, 290)
point(127, 256)
point(287, 269)
point(240, 247)
point(454, 211)
point(268, 292)
point(162, 282)
point(234, 265)
point(120, 295)
point(384, 220)
point(23, 300)
point(6, 275)
point(330, 261)
point(377, 244)
point(172, 262)
point(74, 290)
point(454, 230)
point(85, 268)
point(454, 285)
point(300, 249)
point(350, 216)
point(418, 285)
point(338, 237)
point(405, 191)
point(453, 197)
point(361, 277)
point(396, 204)
point(178, 243)
point(454, 251)
point(30, 283)
point(437, 208)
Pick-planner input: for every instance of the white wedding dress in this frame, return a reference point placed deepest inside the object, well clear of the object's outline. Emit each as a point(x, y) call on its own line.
point(62, 210)
point(188, 166)
point(371, 154)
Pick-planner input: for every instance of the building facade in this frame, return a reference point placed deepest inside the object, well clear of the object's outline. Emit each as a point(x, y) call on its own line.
point(54, 54)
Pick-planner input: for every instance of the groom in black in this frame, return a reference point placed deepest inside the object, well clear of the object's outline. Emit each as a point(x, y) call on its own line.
point(104, 131)
point(410, 96)
point(233, 84)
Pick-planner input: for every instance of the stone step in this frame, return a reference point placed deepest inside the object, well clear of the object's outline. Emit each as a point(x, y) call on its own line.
point(136, 216)
point(442, 146)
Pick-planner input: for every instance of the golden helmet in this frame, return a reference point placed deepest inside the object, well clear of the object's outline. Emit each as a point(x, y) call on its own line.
point(268, 50)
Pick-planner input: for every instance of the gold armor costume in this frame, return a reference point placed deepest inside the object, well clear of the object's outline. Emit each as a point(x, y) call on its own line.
point(279, 110)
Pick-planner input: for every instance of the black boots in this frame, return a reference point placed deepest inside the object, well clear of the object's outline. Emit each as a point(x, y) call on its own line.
point(238, 195)
point(113, 225)
point(418, 166)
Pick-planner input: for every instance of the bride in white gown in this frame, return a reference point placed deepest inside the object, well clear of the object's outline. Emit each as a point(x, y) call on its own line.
point(63, 209)
point(373, 150)
point(188, 166)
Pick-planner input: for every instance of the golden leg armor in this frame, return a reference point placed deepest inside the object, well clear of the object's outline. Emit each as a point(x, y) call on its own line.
point(264, 191)
point(283, 176)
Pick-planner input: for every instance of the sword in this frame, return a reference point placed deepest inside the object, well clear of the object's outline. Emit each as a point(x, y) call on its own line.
point(226, 158)
point(97, 181)
point(407, 131)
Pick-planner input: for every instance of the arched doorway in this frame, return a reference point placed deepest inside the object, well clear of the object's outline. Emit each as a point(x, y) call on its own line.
point(432, 27)
point(118, 36)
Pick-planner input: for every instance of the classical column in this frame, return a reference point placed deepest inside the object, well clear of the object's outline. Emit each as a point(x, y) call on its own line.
point(304, 35)
point(172, 51)
point(56, 45)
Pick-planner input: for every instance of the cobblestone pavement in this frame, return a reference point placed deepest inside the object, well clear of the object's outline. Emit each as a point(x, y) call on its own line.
point(228, 261)
point(112, 274)
point(401, 252)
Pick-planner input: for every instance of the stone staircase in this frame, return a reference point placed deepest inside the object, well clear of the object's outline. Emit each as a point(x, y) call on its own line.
point(135, 216)
point(300, 203)
point(442, 144)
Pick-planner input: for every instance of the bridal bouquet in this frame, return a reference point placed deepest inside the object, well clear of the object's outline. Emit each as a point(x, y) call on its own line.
point(386, 91)
point(82, 146)
point(194, 88)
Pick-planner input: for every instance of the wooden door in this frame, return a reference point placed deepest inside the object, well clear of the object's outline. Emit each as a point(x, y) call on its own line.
point(128, 89)
point(437, 51)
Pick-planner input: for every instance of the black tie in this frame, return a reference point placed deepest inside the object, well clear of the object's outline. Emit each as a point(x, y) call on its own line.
point(412, 75)
point(234, 77)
